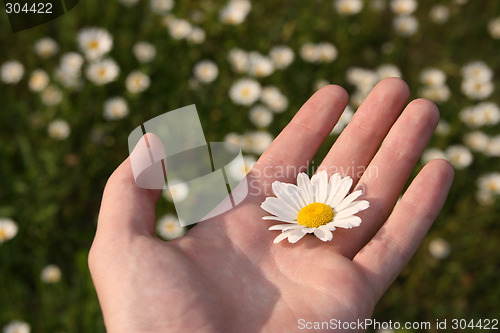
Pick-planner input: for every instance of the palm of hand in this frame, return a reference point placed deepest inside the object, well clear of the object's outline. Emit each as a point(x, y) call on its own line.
point(226, 275)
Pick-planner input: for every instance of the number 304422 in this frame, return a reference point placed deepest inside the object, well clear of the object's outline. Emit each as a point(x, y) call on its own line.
point(35, 8)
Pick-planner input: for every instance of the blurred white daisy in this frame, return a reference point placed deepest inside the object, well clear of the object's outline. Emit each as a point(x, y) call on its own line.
point(70, 80)
point(273, 98)
point(327, 52)
point(11, 72)
point(259, 65)
point(477, 141)
point(314, 205)
point(17, 327)
point(94, 42)
point(436, 94)
point(493, 148)
point(459, 156)
point(177, 191)
point(129, 3)
point(239, 60)
point(233, 138)
point(378, 5)
point(256, 142)
point(58, 129)
point(71, 62)
point(115, 108)
point(403, 7)
point(260, 116)
point(490, 182)
point(50, 274)
point(477, 71)
point(196, 36)
point(46, 47)
point(205, 71)
point(477, 89)
point(282, 56)
point(179, 28)
point(137, 82)
point(439, 248)
point(39, 79)
point(8, 229)
point(103, 71)
point(238, 171)
point(161, 6)
point(432, 154)
point(144, 52)
point(51, 95)
point(443, 128)
point(235, 12)
point(168, 227)
point(348, 7)
point(245, 92)
point(494, 28)
point(309, 52)
point(388, 70)
point(439, 14)
point(433, 77)
point(405, 25)
point(320, 83)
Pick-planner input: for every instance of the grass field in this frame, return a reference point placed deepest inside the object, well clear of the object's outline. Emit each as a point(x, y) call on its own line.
point(58, 144)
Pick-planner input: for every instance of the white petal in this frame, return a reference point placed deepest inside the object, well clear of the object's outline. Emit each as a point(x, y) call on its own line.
point(275, 218)
point(295, 235)
point(305, 187)
point(293, 192)
point(352, 209)
point(346, 223)
point(281, 236)
point(289, 204)
point(324, 234)
point(350, 198)
point(321, 186)
point(345, 186)
point(276, 207)
point(287, 193)
point(285, 227)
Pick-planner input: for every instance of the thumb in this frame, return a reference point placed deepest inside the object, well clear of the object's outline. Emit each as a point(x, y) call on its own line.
point(128, 209)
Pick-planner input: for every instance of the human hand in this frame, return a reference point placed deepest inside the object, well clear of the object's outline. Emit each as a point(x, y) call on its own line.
point(226, 275)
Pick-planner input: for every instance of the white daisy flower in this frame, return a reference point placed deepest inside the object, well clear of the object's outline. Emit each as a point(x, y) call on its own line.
point(320, 83)
point(179, 28)
point(259, 65)
point(137, 82)
point(477, 71)
point(403, 7)
point(327, 52)
point(477, 141)
point(196, 36)
point(274, 99)
point(161, 6)
point(11, 72)
point(490, 182)
point(432, 154)
point(50, 274)
point(115, 108)
point(459, 156)
point(388, 70)
point(433, 77)
point(239, 60)
point(51, 96)
point(436, 94)
point(439, 248)
point(58, 129)
point(405, 25)
point(129, 3)
point(245, 92)
point(260, 116)
point(168, 227)
point(235, 12)
point(103, 71)
point(144, 52)
point(476, 89)
point(494, 28)
point(238, 171)
point(443, 127)
point(314, 205)
point(256, 142)
point(282, 56)
point(439, 14)
point(233, 138)
point(94, 42)
point(177, 191)
point(8, 229)
point(309, 52)
point(38, 80)
point(348, 7)
point(493, 148)
point(46, 47)
point(17, 327)
point(205, 71)
point(72, 63)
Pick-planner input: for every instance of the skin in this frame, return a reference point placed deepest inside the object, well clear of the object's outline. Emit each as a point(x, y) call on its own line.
point(226, 275)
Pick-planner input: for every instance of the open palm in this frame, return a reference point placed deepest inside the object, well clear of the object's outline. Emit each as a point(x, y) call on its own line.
point(226, 275)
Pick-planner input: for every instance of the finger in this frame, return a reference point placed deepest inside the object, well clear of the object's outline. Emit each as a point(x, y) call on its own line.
point(359, 141)
point(297, 144)
point(127, 209)
point(395, 243)
point(388, 172)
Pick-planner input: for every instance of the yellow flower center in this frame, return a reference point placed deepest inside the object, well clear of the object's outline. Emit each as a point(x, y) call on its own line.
point(93, 44)
point(315, 215)
point(3, 235)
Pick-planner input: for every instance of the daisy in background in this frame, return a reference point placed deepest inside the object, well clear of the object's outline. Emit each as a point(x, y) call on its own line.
point(274, 99)
point(59, 129)
point(11, 72)
point(8, 229)
point(405, 25)
point(205, 71)
point(115, 108)
point(168, 227)
point(51, 95)
point(403, 7)
point(239, 60)
point(196, 36)
point(282, 56)
point(17, 327)
point(238, 171)
point(260, 116)
point(103, 71)
point(38, 80)
point(245, 92)
point(176, 191)
point(314, 205)
point(161, 6)
point(348, 7)
point(144, 51)
point(46, 47)
point(137, 82)
point(50, 274)
point(94, 42)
